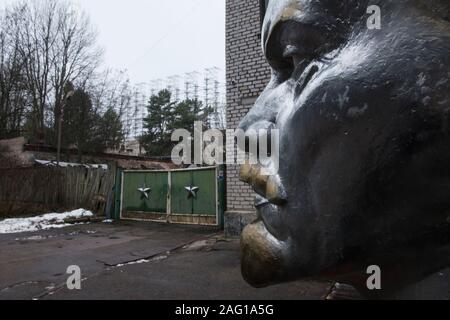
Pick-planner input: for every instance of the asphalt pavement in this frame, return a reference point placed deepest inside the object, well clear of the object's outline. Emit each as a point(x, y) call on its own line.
point(133, 261)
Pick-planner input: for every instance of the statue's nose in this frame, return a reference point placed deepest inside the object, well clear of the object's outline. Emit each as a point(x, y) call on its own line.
point(254, 131)
point(260, 119)
point(259, 125)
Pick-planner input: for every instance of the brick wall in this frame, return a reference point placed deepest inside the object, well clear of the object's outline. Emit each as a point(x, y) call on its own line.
point(247, 75)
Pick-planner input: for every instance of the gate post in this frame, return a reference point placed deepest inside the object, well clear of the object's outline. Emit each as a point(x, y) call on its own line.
point(169, 196)
point(221, 187)
point(118, 194)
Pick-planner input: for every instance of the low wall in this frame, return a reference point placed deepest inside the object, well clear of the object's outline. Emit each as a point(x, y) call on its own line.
point(36, 190)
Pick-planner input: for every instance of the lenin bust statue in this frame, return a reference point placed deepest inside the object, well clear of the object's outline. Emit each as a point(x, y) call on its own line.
point(363, 117)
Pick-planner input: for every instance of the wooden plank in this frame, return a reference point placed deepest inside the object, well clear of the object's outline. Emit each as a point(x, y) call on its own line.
point(56, 188)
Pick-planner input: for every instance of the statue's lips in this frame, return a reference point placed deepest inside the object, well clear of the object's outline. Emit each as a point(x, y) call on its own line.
point(270, 215)
point(262, 241)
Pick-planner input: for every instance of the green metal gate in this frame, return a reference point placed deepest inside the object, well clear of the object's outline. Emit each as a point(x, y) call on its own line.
point(194, 196)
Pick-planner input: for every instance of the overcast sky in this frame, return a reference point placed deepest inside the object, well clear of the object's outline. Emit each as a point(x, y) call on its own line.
point(155, 39)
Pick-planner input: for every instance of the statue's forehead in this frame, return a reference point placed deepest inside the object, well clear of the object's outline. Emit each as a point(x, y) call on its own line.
point(281, 10)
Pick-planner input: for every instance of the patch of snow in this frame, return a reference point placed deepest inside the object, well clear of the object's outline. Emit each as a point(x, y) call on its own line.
point(196, 245)
point(132, 263)
point(108, 221)
point(43, 222)
point(68, 164)
point(34, 238)
point(156, 259)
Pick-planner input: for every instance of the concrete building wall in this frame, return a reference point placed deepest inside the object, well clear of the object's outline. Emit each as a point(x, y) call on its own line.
point(247, 75)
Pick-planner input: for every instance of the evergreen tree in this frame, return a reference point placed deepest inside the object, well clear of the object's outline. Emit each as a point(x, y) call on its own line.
point(165, 117)
point(81, 124)
point(156, 141)
point(186, 113)
point(111, 130)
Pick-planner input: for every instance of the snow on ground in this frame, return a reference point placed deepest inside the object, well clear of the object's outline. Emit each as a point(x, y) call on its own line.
point(43, 222)
point(156, 259)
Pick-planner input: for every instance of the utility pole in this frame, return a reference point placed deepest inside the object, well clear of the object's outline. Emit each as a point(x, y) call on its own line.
point(60, 120)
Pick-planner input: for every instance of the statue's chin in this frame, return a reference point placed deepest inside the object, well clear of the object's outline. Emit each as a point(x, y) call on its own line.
point(261, 256)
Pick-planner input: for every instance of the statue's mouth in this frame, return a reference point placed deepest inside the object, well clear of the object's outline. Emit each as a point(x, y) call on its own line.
point(270, 215)
point(264, 241)
point(271, 195)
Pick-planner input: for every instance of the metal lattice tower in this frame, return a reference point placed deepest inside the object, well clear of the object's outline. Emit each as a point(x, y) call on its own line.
point(155, 86)
point(143, 96)
point(211, 90)
point(189, 86)
point(173, 85)
point(211, 76)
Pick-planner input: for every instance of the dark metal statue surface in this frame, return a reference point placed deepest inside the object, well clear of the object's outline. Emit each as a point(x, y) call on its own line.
point(364, 121)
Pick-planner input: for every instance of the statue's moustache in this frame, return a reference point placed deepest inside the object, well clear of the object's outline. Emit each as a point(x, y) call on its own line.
point(266, 185)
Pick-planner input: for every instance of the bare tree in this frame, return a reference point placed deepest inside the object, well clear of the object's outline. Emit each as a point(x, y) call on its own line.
point(47, 47)
point(37, 38)
point(75, 54)
point(111, 90)
point(58, 46)
point(13, 96)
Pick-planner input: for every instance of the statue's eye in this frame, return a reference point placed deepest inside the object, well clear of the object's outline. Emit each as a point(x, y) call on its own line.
point(282, 68)
point(291, 65)
point(301, 62)
point(291, 47)
point(297, 60)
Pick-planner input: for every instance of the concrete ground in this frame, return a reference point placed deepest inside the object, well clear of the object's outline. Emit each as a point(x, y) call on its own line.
point(181, 262)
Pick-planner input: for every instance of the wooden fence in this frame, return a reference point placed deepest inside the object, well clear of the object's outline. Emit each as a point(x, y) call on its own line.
point(37, 190)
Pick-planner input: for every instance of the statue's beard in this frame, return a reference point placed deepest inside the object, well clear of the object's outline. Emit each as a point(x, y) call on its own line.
point(265, 246)
point(261, 255)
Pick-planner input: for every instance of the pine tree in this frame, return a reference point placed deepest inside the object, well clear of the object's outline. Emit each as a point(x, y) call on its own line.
point(156, 141)
point(111, 130)
point(186, 113)
point(165, 117)
point(81, 124)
